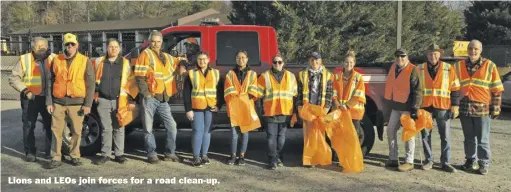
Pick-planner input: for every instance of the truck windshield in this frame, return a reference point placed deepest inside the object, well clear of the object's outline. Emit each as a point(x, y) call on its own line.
point(230, 42)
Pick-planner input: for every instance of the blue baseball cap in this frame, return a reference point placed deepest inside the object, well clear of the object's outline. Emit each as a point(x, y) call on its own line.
point(315, 55)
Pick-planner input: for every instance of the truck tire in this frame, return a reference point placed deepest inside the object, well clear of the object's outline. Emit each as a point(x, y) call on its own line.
point(368, 128)
point(91, 136)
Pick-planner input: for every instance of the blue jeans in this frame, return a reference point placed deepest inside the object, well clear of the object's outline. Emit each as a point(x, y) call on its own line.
point(276, 137)
point(477, 138)
point(444, 129)
point(234, 143)
point(151, 106)
point(201, 134)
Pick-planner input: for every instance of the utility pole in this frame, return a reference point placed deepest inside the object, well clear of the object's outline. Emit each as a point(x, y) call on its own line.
point(399, 22)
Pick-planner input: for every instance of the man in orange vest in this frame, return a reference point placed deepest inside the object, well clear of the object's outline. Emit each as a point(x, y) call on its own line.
point(71, 83)
point(481, 97)
point(28, 78)
point(277, 87)
point(440, 87)
point(154, 74)
point(403, 91)
point(112, 75)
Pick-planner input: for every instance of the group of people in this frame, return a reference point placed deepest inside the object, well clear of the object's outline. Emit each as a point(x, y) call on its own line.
point(64, 86)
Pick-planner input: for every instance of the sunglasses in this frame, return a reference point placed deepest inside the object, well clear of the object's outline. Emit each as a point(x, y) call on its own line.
point(278, 62)
point(70, 44)
point(402, 56)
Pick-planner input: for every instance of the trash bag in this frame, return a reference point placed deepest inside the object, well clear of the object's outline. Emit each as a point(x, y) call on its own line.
point(125, 116)
point(243, 114)
point(411, 128)
point(315, 151)
point(344, 140)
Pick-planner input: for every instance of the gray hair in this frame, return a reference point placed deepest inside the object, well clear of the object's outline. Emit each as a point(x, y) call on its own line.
point(39, 38)
point(475, 42)
point(155, 33)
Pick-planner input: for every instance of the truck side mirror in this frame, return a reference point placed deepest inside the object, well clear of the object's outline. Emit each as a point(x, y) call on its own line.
point(135, 52)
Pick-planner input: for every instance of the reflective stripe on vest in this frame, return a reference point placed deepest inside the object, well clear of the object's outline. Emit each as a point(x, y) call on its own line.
point(69, 81)
point(204, 88)
point(304, 79)
point(32, 72)
point(428, 83)
point(278, 97)
point(477, 86)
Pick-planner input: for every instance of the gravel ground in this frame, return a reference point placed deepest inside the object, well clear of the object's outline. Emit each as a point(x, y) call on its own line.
point(254, 176)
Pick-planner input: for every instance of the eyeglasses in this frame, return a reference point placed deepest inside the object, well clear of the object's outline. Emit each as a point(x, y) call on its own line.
point(278, 62)
point(70, 44)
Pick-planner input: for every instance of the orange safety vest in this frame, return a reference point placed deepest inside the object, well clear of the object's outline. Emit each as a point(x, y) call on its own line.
point(398, 88)
point(232, 86)
point(304, 79)
point(32, 74)
point(481, 84)
point(148, 65)
point(355, 89)
point(277, 97)
point(437, 92)
point(204, 88)
point(69, 81)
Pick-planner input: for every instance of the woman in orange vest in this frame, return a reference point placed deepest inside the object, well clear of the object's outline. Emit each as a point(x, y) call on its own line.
point(349, 92)
point(278, 88)
point(200, 100)
point(240, 80)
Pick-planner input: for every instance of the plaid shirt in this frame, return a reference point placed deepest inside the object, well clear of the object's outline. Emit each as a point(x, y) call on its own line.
point(328, 95)
point(476, 109)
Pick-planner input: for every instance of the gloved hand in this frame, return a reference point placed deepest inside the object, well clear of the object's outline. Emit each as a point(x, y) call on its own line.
point(413, 114)
point(494, 115)
point(455, 112)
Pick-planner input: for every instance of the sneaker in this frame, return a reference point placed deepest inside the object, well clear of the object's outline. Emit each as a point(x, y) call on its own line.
point(30, 158)
point(448, 168)
point(54, 164)
point(469, 166)
point(102, 160)
point(172, 157)
point(205, 160)
point(153, 159)
point(405, 167)
point(120, 159)
point(427, 165)
point(231, 160)
point(76, 162)
point(392, 163)
point(279, 163)
point(483, 170)
point(241, 161)
point(197, 162)
point(272, 166)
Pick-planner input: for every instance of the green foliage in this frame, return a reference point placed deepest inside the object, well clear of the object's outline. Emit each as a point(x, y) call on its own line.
point(489, 22)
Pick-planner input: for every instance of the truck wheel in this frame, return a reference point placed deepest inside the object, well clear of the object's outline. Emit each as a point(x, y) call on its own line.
point(368, 128)
point(91, 136)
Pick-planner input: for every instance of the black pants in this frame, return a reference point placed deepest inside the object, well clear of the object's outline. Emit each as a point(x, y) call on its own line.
point(276, 138)
point(360, 133)
point(30, 110)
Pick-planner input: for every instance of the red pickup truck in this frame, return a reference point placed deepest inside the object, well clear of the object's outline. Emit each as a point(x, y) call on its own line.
point(222, 42)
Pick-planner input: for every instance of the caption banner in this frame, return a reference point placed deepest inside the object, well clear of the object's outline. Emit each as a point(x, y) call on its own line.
point(113, 181)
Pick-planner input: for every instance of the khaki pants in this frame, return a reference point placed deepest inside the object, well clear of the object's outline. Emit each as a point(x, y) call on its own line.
point(57, 128)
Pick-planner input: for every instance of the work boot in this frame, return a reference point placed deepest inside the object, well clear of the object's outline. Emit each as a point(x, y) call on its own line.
point(231, 160)
point(392, 164)
point(54, 164)
point(469, 166)
point(241, 160)
point(102, 160)
point(427, 165)
point(483, 170)
point(172, 157)
point(272, 166)
point(405, 167)
point(153, 159)
point(30, 158)
point(205, 160)
point(76, 162)
point(120, 159)
point(448, 168)
point(196, 162)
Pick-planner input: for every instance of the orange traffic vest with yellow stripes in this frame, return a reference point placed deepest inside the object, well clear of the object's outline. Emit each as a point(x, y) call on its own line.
point(159, 77)
point(69, 81)
point(204, 88)
point(232, 86)
point(277, 97)
point(353, 94)
point(304, 79)
point(398, 88)
point(481, 84)
point(32, 73)
point(437, 92)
